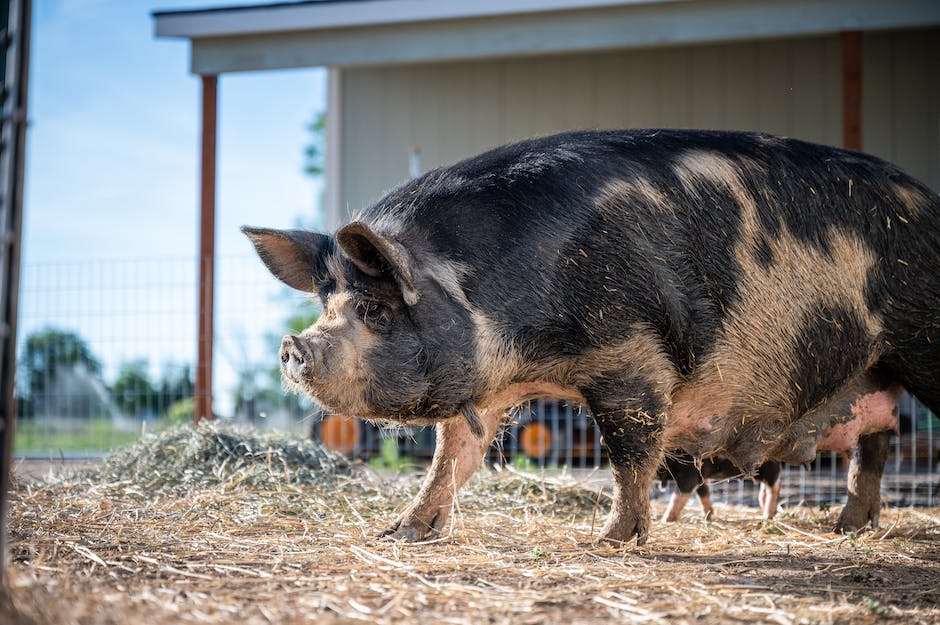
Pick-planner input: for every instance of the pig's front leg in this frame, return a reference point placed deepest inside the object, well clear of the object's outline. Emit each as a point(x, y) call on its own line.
point(864, 501)
point(458, 454)
point(631, 417)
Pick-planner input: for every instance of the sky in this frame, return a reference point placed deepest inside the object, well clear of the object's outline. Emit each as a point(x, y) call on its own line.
point(110, 225)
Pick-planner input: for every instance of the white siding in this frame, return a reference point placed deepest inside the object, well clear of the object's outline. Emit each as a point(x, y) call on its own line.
point(901, 100)
point(790, 87)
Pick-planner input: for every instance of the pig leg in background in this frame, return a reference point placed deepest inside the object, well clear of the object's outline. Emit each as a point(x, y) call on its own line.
point(688, 480)
point(864, 501)
point(704, 494)
point(457, 456)
point(631, 419)
point(769, 476)
point(690, 477)
point(677, 501)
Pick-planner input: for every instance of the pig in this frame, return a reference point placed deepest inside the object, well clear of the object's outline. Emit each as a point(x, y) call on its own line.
point(692, 477)
point(709, 291)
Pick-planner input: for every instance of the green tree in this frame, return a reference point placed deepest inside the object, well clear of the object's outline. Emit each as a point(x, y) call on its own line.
point(315, 152)
point(133, 392)
point(49, 351)
point(175, 385)
point(181, 411)
point(136, 394)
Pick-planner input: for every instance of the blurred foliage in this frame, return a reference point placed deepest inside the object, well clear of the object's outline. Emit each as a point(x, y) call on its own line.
point(61, 376)
point(133, 391)
point(181, 411)
point(49, 351)
point(297, 323)
point(136, 395)
point(390, 457)
point(315, 152)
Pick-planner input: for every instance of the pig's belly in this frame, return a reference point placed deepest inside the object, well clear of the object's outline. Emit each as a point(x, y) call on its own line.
point(696, 425)
point(872, 412)
point(692, 415)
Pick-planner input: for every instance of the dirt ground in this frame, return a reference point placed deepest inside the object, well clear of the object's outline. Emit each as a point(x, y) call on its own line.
point(518, 551)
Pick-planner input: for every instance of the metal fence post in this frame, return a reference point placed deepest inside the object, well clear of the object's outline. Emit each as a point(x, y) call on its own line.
point(14, 56)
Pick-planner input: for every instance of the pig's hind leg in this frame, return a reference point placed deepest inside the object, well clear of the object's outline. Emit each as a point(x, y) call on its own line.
point(631, 417)
point(865, 470)
point(704, 494)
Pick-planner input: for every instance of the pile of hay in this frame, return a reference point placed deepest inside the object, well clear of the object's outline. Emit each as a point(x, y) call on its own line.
point(224, 525)
point(226, 457)
point(220, 455)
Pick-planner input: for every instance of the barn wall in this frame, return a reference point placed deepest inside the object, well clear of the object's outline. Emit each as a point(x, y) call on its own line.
point(791, 87)
point(901, 100)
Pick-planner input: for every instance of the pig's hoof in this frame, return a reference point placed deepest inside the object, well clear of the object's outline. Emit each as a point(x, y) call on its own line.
point(410, 529)
point(620, 533)
point(405, 534)
point(856, 515)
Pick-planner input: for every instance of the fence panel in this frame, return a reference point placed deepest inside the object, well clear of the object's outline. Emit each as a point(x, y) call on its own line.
point(94, 337)
point(553, 435)
point(107, 350)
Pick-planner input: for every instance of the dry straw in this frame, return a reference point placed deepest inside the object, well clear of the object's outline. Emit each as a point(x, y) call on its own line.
point(223, 525)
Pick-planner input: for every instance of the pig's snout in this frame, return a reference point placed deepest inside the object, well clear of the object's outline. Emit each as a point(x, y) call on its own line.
point(301, 358)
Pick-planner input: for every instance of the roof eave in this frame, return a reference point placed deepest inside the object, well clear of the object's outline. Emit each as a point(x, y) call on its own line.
point(318, 16)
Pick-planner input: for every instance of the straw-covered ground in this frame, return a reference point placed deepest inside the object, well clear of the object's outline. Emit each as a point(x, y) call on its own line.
point(225, 526)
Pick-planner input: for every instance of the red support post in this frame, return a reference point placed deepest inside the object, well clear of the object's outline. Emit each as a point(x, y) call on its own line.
point(852, 90)
point(202, 408)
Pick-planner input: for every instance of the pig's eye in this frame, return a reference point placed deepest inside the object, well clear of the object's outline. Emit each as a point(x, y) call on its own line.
point(373, 314)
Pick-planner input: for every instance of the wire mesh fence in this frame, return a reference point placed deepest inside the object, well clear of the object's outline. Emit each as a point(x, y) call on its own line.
point(107, 351)
point(554, 435)
point(104, 348)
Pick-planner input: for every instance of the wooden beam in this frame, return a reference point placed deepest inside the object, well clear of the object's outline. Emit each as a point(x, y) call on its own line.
point(202, 408)
point(852, 90)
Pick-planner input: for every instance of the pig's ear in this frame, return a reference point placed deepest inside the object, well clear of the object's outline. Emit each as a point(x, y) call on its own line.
point(376, 255)
point(295, 257)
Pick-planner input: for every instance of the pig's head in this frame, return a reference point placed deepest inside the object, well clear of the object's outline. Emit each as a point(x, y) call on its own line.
point(390, 345)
